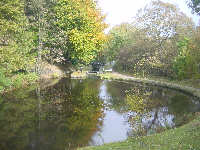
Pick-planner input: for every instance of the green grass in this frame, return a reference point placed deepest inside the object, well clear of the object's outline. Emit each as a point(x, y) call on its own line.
point(186, 137)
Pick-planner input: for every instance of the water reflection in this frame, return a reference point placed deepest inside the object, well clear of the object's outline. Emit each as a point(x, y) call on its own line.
point(154, 109)
point(76, 113)
point(63, 116)
point(115, 126)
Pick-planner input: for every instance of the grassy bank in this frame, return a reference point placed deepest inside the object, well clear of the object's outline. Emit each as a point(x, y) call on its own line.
point(186, 137)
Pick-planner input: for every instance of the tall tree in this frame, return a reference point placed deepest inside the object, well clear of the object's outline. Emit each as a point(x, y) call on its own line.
point(153, 42)
point(15, 38)
point(16, 41)
point(162, 21)
point(72, 30)
point(164, 24)
point(35, 10)
point(119, 36)
point(80, 25)
point(195, 5)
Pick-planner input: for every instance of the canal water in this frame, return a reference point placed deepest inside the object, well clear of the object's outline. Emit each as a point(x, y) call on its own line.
point(75, 113)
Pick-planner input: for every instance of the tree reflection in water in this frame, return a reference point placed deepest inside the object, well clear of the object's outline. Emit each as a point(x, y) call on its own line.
point(154, 109)
point(63, 116)
point(151, 109)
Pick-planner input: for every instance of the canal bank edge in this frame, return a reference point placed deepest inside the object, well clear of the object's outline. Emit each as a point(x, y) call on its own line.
point(185, 137)
point(175, 86)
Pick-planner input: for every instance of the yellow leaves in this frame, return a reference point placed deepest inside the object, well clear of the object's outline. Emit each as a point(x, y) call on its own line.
point(136, 103)
point(84, 26)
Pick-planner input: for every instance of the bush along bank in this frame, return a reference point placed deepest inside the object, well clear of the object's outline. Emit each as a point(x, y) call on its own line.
point(17, 81)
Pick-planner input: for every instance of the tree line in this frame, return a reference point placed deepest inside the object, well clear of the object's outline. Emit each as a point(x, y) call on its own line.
point(58, 31)
point(161, 40)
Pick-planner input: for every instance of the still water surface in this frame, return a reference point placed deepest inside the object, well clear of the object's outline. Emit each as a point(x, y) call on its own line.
point(76, 113)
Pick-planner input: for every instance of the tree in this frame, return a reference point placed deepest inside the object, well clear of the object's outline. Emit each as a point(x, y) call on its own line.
point(195, 5)
point(74, 31)
point(70, 30)
point(149, 44)
point(185, 66)
point(84, 27)
point(34, 11)
point(158, 27)
point(162, 21)
point(16, 40)
point(119, 36)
